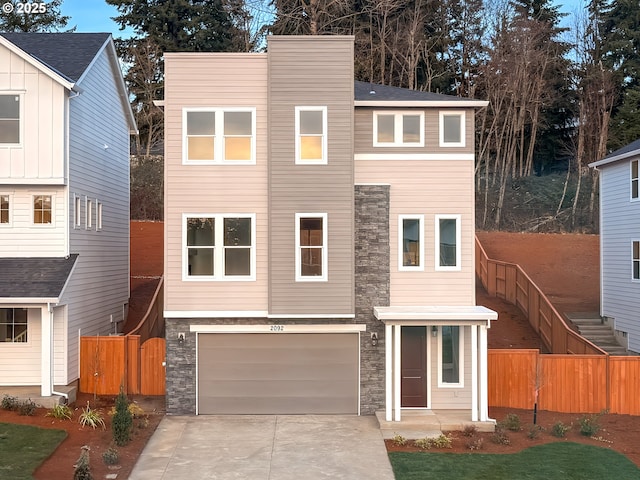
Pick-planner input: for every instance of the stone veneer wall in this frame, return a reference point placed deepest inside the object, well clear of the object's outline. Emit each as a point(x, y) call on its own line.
point(372, 280)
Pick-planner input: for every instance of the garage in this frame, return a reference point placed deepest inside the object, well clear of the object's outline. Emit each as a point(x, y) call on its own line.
point(278, 373)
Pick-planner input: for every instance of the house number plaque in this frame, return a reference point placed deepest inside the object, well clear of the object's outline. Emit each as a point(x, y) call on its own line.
point(276, 328)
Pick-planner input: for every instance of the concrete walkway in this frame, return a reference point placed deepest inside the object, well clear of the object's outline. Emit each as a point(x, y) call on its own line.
point(265, 447)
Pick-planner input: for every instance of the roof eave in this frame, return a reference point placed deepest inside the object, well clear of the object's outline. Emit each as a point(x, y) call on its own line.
point(421, 103)
point(617, 158)
point(28, 300)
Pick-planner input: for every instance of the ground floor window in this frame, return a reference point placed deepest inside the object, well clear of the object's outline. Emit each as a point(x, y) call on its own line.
point(13, 325)
point(636, 260)
point(450, 358)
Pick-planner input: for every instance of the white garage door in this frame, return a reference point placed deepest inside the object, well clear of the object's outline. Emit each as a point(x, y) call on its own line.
point(292, 373)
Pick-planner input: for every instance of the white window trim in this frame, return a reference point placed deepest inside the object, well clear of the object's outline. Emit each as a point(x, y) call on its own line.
point(325, 248)
point(8, 224)
point(325, 159)
point(29, 331)
point(20, 143)
point(219, 136)
point(463, 124)
point(458, 265)
point(401, 267)
point(218, 273)
point(53, 210)
point(398, 128)
point(88, 219)
point(634, 280)
point(460, 384)
point(99, 209)
point(631, 178)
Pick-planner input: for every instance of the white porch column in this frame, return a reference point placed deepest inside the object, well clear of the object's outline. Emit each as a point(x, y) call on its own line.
point(396, 371)
point(474, 373)
point(388, 372)
point(46, 352)
point(483, 376)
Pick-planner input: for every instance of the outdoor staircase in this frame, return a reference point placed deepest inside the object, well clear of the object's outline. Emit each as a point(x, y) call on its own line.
point(429, 424)
point(591, 326)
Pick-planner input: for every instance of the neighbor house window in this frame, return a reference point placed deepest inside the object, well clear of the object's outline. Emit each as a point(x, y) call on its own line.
point(452, 129)
point(311, 247)
point(42, 213)
point(448, 242)
point(220, 247)
point(636, 260)
point(76, 211)
point(98, 215)
point(89, 214)
point(634, 179)
point(9, 119)
point(4, 209)
point(311, 135)
point(13, 325)
point(398, 129)
point(219, 136)
point(411, 242)
point(450, 371)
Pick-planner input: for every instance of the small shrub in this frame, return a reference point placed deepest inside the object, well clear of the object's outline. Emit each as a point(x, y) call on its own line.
point(122, 420)
point(135, 410)
point(589, 425)
point(535, 431)
point(500, 437)
point(92, 418)
point(27, 408)
point(399, 440)
point(9, 403)
point(423, 443)
point(110, 456)
point(82, 469)
point(475, 443)
point(443, 441)
point(560, 430)
point(143, 422)
point(60, 411)
point(511, 422)
point(470, 431)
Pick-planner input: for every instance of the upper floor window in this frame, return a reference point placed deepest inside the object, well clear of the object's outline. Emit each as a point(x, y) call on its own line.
point(452, 129)
point(220, 247)
point(4, 209)
point(88, 221)
point(448, 242)
point(311, 247)
point(99, 216)
point(634, 179)
point(13, 325)
point(450, 345)
point(636, 260)
point(311, 135)
point(411, 242)
point(9, 119)
point(223, 136)
point(42, 211)
point(77, 202)
point(398, 129)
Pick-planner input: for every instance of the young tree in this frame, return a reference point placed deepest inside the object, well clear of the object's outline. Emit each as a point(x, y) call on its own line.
point(49, 20)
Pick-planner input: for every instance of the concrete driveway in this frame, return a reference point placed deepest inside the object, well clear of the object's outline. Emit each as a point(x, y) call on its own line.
point(265, 447)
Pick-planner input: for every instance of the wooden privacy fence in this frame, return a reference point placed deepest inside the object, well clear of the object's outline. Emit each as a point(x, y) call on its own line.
point(510, 282)
point(565, 383)
point(106, 363)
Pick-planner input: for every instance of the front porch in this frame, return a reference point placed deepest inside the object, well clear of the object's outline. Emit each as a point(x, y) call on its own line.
point(417, 424)
point(33, 393)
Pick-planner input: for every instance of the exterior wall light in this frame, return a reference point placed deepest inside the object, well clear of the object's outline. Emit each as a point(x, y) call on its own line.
point(434, 331)
point(374, 339)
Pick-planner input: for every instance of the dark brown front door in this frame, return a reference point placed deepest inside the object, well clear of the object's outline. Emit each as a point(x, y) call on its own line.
point(414, 367)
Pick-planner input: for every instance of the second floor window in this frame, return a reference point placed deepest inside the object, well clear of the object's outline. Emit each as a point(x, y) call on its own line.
point(219, 136)
point(9, 119)
point(636, 260)
point(311, 135)
point(448, 242)
point(42, 212)
point(411, 242)
point(311, 246)
point(634, 179)
point(220, 247)
point(398, 129)
point(4, 209)
point(452, 129)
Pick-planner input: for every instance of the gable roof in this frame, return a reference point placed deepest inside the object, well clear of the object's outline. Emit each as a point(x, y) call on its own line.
point(371, 94)
point(35, 278)
point(627, 151)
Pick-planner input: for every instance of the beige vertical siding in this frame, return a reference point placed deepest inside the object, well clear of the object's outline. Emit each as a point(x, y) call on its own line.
point(429, 188)
point(214, 80)
point(311, 71)
point(364, 132)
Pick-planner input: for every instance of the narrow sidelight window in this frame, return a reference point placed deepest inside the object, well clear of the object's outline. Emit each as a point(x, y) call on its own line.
point(4, 209)
point(411, 242)
point(448, 242)
point(450, 358)
point(636, 260)
point(311, 243)
point(634, 179)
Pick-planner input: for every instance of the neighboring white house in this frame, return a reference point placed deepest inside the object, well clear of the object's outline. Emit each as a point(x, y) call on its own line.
point(65, 123)
point(620, 243)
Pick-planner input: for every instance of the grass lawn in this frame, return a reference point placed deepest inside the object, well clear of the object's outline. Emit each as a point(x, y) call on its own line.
point(552, 461)
point(23, 448)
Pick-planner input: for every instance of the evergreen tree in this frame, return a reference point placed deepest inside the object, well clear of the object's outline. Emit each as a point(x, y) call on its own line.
point(122, 421)
point(49, 20)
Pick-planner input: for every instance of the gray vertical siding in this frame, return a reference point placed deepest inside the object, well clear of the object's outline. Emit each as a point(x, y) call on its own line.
point(620, 225)
point(311, 71)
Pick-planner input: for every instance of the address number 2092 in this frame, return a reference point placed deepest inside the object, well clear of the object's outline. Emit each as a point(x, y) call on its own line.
point(276, 328)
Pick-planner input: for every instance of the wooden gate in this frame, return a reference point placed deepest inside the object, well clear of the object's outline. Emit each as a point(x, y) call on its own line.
point(152, 367)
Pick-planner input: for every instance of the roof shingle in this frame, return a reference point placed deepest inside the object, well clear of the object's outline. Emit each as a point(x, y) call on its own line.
point(38, 277)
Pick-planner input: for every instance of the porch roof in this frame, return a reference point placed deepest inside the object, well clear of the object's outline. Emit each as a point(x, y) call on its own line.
point(34, 279)
point(435, 314)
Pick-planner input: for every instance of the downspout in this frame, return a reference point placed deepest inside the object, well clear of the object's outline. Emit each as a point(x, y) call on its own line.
point(53, 392)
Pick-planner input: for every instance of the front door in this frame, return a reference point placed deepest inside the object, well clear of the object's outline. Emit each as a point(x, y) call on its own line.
point(414, 367)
